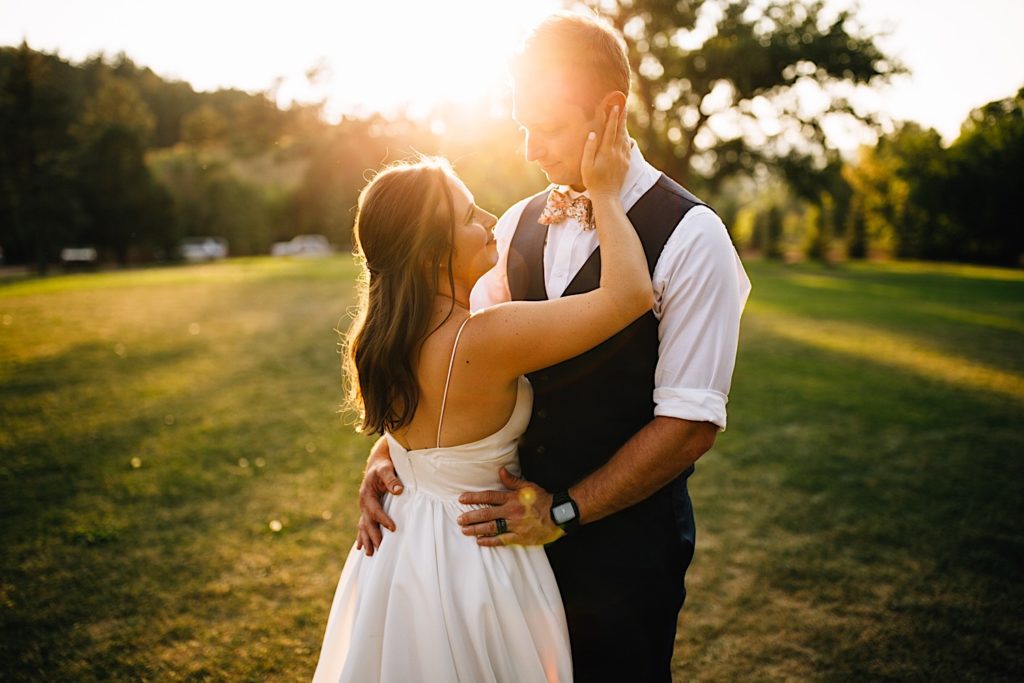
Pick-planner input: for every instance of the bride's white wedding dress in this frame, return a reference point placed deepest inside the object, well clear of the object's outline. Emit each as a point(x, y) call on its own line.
point(432, 605)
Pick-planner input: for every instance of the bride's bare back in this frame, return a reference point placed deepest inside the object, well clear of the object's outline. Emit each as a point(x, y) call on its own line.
point(479, 402)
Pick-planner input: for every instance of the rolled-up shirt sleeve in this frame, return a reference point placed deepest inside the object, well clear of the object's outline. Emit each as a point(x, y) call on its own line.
point(700, 290)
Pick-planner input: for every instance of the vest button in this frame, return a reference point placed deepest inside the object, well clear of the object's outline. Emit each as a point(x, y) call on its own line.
point(542, 413)
point(540, 450)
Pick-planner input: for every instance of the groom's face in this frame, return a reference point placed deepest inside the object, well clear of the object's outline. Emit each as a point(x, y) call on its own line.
point(555, 128)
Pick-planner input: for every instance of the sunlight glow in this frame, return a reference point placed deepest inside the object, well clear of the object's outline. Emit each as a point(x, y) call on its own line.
point(360, 57)
point(902, 352)
point(454, 52)
point(357, 57)
point(938, 310)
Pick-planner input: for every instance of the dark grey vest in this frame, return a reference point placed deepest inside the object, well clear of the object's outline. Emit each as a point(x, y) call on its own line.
point(587, 407)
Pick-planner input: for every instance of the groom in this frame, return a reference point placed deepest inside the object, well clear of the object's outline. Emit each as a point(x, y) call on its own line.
point(615, 431)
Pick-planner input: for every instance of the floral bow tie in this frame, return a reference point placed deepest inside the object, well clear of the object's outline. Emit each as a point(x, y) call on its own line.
point(559, 207)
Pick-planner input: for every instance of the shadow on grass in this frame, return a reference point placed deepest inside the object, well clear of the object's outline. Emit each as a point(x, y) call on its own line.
point(51, 402)
point(119, 569)
point(978, 319)
point(863, 522)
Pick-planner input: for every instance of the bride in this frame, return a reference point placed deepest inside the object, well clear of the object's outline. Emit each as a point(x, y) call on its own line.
point(446, 389)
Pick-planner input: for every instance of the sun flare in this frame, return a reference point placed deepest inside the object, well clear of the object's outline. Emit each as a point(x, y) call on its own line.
point(355, 57)
point(425, 54)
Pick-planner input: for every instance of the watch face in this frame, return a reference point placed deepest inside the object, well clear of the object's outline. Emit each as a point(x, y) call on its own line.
point(563, 513)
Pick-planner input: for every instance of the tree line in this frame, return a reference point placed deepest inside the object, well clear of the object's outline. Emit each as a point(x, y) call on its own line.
point(780, 184)
point(109, 154)
point(106, 153)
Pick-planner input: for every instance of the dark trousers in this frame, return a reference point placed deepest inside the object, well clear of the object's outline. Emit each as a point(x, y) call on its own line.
point(622, 620)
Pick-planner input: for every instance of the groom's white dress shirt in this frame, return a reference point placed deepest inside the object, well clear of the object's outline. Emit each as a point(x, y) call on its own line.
point(700, 289)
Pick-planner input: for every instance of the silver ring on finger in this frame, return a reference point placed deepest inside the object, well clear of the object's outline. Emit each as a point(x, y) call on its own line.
point(502, 525)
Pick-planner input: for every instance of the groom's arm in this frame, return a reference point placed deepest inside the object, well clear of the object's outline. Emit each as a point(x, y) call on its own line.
point(378, 478)
point(701, 290)
point(652, 458)
point(655, 456)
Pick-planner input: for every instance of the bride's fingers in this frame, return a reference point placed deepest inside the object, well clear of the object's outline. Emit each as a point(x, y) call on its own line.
point(589, 150)
point(611, 125)
point(620, 132)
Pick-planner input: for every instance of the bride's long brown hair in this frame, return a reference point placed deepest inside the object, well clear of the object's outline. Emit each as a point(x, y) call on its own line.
point(404, 232)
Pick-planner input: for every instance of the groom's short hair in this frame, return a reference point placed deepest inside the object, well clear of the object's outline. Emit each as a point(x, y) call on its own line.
point(584, 48)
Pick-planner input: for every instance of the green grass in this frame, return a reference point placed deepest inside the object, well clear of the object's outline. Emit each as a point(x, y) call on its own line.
point(860, 519)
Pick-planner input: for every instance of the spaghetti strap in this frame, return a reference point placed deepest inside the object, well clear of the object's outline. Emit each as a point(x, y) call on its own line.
point(448, 379)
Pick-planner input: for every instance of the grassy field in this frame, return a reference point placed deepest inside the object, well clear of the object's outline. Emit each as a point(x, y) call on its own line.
point(177, 486)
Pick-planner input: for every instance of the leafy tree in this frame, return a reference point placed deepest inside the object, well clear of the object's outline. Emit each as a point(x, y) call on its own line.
point(772, 226)
point(484, 148)
point(935, 203)
point(74, 140)
point(125, 205)
point(924, 229)
point(257, 123)
point(37, 199)
point(986, 164)
point(338, 168)
point(169, 101)
point(203, 126)
point(116, 104)
point(827, 191)
point(719, 81)
point(210, 200)
point(897, 187)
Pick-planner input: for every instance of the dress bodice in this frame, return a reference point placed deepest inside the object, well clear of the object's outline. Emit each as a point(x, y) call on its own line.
point(448, 471)
point(433, 605)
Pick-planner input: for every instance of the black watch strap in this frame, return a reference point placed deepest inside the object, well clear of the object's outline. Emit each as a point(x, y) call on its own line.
point(564, 512)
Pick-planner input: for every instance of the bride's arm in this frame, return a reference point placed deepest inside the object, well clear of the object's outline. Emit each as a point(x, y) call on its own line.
point(521, 336)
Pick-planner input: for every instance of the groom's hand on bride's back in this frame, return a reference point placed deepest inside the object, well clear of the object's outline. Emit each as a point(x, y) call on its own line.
point(525, 507)
point(378, 479)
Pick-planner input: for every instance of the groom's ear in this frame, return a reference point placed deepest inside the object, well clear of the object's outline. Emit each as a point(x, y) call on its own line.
point(609, 102)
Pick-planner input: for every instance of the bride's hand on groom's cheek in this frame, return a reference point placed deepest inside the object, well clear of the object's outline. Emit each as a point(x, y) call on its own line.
point(526, 509)
point(379, 478)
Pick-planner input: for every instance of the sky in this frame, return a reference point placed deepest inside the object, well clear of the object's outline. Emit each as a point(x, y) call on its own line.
point(385, 54)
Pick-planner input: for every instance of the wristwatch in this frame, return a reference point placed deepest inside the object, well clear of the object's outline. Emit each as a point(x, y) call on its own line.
point(564, 512)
